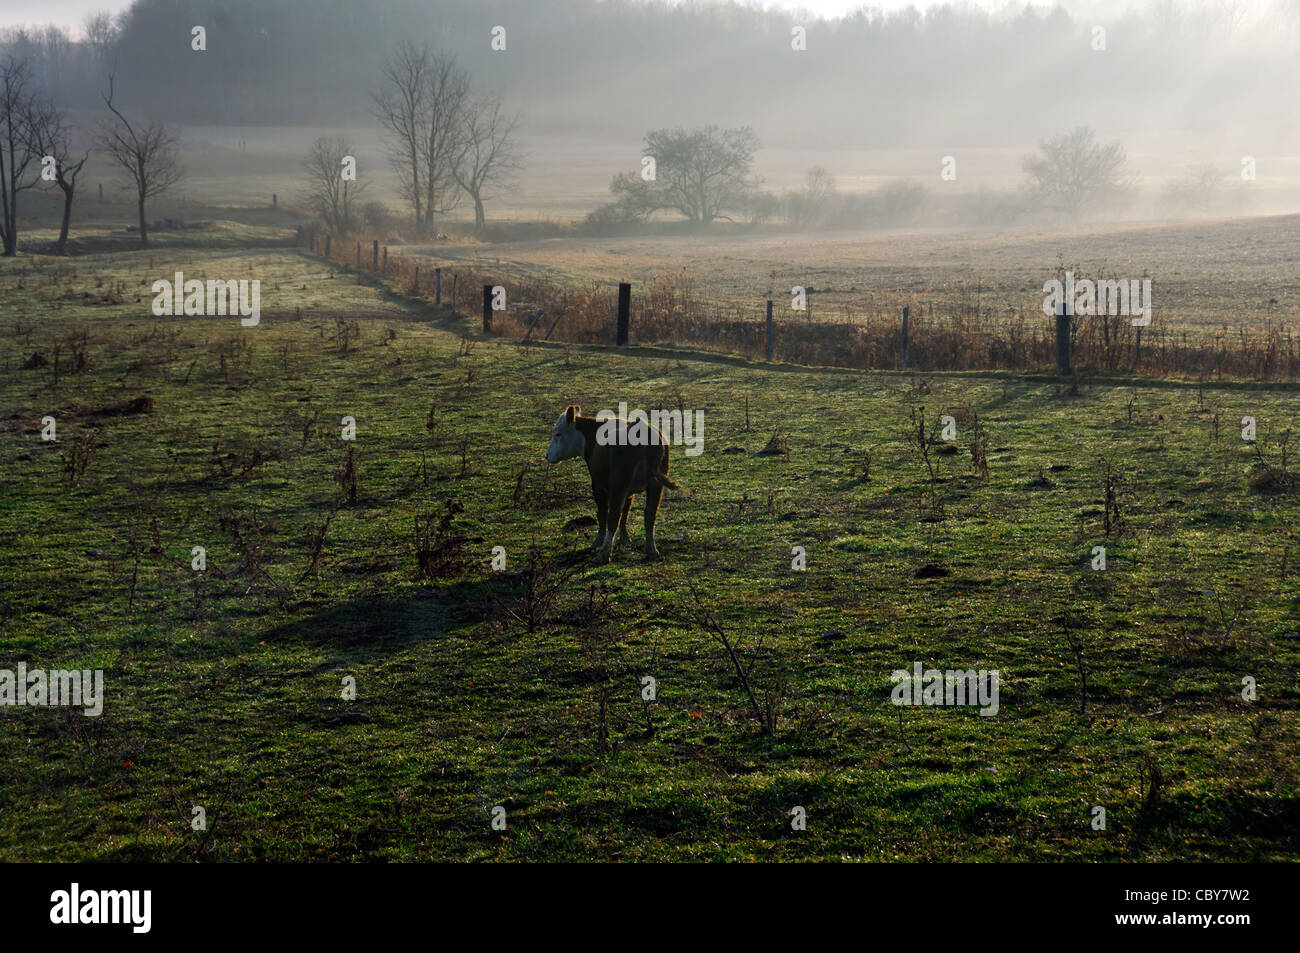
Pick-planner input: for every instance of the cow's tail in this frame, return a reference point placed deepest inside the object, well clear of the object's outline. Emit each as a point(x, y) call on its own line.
point(660, 474)
point(662, 480)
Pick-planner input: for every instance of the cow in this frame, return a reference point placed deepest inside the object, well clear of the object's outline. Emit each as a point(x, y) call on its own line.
point(619, 470)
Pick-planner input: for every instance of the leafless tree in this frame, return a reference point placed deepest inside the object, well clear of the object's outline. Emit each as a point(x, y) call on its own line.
point(488, 153)
point(17, 102)
point(328, 193)
point(101, 31)
point(51, 135)
point(1197, 191)
point(1072, 169)
point(819, 185)
point(810, 204)
point(421, 104)
point(399, 105)
point(447, 100)
point(146, 151)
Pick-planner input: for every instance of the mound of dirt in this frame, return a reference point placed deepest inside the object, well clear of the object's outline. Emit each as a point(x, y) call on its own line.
point(931, 571)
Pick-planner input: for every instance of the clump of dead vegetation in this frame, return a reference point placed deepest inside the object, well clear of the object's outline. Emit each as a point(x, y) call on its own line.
point(252, 539)
point(347, 476)
point(439, 545)
point(78, 457)
point(1273, 475)
point(238, 459)
point(777, 445)
point(767, 703)
point(1115, 497)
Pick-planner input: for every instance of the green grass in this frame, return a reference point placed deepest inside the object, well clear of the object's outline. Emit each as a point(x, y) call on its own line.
point(224, 688)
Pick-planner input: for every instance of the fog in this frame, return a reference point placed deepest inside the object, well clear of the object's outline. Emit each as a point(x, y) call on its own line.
point(1176, 84)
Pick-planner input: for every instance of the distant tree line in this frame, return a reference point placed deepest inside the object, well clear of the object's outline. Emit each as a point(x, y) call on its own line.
point(705, 174)
point(873, 79)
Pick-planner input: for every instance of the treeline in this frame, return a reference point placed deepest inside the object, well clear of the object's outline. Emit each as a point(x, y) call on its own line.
point(706, 174)
point(871, 79)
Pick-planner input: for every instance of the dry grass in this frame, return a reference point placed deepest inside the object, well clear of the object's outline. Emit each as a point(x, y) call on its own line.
point(1240, 322)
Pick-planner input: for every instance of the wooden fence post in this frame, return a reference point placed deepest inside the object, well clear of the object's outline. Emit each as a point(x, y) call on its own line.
point(327, 244)
point(437, 286)
point(624, 312)
point(275, 200)
point(374, 256)
point(1062, 340)
point(487, 309)
point(770, 330)
point(454, 278)
point(358, 254)
point(385, 259)
point(907, 313)
point(416, 285)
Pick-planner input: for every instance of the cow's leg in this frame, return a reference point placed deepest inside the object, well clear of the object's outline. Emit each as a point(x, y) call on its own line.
point(617, 502)
point(623, 538)
point(602, 517)
point(653, 493)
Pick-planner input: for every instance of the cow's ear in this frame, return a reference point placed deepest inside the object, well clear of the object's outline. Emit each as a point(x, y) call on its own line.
point(572, 411)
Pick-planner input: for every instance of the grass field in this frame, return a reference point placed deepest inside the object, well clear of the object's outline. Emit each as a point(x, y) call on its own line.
point(521, 689)
point(1207, 277)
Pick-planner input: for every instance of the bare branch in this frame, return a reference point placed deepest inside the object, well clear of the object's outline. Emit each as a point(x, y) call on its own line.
point(148, 155)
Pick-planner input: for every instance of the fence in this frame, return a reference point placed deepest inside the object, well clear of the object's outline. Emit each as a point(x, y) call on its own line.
point(916, 339)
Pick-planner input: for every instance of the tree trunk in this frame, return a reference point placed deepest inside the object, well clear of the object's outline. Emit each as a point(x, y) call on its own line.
point(478, 211)
point(428, 209)
point(61, 245)
point(10, 223)
point(144, 229)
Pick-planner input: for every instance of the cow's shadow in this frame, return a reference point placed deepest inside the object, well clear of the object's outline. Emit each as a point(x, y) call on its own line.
point(386, 623)
point(380, 624)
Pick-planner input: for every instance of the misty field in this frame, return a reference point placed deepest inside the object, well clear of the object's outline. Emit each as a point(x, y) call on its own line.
point(370, 559)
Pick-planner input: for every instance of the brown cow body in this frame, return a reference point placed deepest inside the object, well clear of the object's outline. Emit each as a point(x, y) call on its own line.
point(618, 472)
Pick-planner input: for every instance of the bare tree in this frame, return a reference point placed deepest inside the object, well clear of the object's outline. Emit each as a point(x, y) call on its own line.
point(101, 31)
point(810, 204)
point(52, 136)
point(1197, 191)
point(399, 105)
point(329, 194)
point(146, 151)
point(17, 103)
point(421, 104)
point(819, 185)
point(1072, 169)
point(443, 126)
point(487, 150)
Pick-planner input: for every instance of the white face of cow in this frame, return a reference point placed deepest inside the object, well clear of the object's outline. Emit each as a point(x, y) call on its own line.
point(567, 440)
